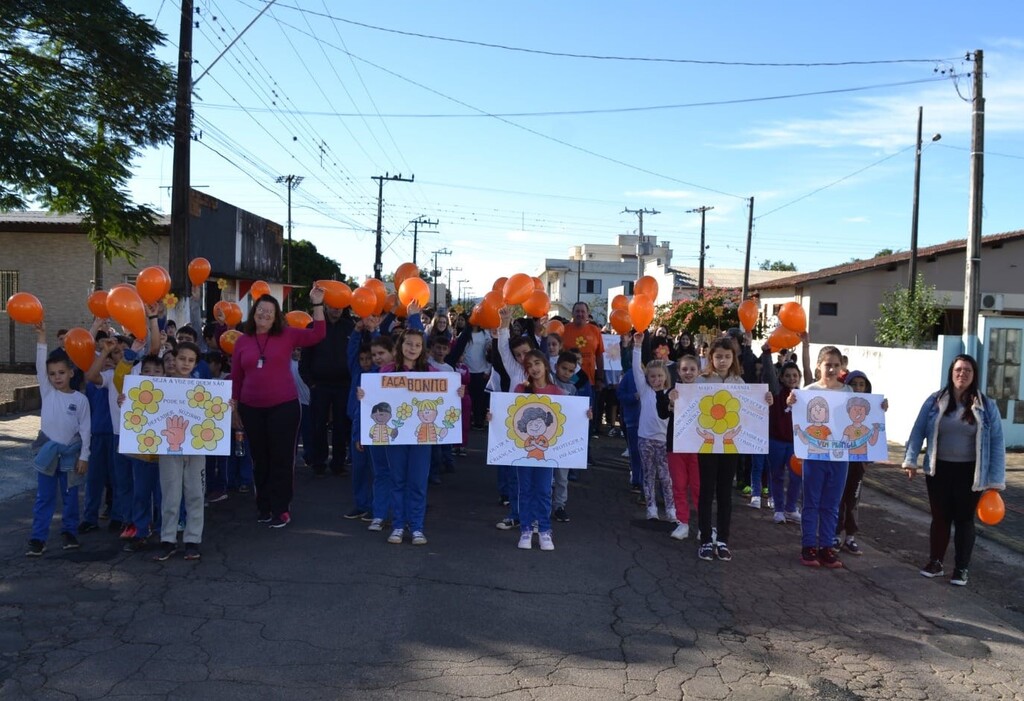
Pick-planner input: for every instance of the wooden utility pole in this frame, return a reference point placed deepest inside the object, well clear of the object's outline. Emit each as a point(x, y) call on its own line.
point(640, 240)
point(746, 260)
point(378, 267)
point(416, 232)
point(181, 164)
point(701, 211)
point(972, 277)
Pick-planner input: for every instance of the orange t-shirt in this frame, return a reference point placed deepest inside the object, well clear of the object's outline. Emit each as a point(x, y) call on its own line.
point(589, 342)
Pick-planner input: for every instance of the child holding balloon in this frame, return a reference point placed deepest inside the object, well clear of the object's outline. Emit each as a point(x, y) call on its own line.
point(651, 382)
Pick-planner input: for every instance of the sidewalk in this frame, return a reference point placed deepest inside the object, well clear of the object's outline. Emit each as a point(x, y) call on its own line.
point(324, 609)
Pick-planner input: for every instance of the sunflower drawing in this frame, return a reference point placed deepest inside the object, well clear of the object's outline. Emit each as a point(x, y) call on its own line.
point(199, 397)
point(217, 409)
point(135, 420)
point(145, 398)
point(206, 436)
point(719, 412)
point(149, 442)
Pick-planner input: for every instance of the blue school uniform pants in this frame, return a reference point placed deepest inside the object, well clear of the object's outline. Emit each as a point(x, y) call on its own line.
point(146, 500)
point(823, 485)
point(535, 498)
point(47, 488)
point(785, 498)
point(103, 448)
point(410, 470)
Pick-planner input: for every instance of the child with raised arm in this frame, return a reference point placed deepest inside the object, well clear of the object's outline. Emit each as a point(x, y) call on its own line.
point(652, 431)
point(62, 455)
point(682, 467)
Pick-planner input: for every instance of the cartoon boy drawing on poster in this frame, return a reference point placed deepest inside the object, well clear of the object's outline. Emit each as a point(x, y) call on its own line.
point(857, 434)
point(380, 434)
point(534, 424)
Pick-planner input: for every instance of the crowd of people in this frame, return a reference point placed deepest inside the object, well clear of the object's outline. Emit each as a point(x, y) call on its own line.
point(296, 398)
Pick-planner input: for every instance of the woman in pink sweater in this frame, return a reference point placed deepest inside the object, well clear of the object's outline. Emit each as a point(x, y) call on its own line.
point(268, 405)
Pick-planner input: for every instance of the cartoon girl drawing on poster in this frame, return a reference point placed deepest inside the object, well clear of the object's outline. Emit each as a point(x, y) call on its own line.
point(426, 412)
point(534, 424)
point(818, 431)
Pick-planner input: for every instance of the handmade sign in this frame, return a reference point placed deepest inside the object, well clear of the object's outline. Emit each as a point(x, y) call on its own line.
point(721, 418)
point(612, 359)
point(839, 426)
point(411, 408)
point(538, 430)
point(175, 416)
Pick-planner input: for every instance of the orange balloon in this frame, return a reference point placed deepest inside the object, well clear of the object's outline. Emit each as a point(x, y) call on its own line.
point(337, 295)
point(97, 303)
point(748, 314)
point(538, 284)
point(641, 311)
point(620, 321)
point(126, 308)
point(782, 338)
point(391, 303)
point(198, 271)
point(81, 347)
point(648, 286)
point(555, 326)
point(414, 289)
point(233, 316)
point(401, 310)
point(537, 304)
point(499, 284)
point(380, 291)
point(793, 317)
point(796, 465)
point(220, 310)
point(991, 508)
point(258, 289)
point(404, 272)
point(518, 289)
point(152, 284)
point(620, 302)
point(298, 319)
point(494, 300)
point(485, 317)
point(228, 339)
point(364, 301)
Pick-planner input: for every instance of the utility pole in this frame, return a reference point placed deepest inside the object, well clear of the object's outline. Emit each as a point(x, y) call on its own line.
point(378, 267)
point(917, 197)
point(416, 232)
point(462, 300)
point(746, 261)
point(292, 182)
point(181, 164)
point(436, 272)
point(700, 279)
point(450, 282)
point(972, 277)
point(640, 240)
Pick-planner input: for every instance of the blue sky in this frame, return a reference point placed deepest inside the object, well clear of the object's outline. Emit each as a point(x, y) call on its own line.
point(510, 191)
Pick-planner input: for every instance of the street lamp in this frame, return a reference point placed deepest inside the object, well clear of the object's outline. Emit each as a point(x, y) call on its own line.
point(917, 196)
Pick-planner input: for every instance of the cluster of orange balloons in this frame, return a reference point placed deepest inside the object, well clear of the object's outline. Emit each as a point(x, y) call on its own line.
point(793, 322)
point(637, 313)
point(227, 313)
point(519, 288)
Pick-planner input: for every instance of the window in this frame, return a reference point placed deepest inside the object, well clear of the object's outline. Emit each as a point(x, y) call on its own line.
point(627, 287)
point(828, 308)
point(130, 279)
point(8, 286)
point(592, 287)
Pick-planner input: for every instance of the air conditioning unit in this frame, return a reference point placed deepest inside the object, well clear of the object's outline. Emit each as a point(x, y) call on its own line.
point(991, 302)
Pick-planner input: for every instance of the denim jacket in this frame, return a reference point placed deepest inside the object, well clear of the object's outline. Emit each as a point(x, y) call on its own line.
point(990, 453)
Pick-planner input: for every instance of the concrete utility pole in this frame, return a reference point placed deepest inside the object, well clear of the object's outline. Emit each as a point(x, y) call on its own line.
point(416, 232)
point(377, 265)
point(462, 300)
point(640, 240)
point(292, 182)
point(181, 164)
point(436, 272)
point(917, 197)
point(701, 211)
point(450, 283)
point(972, 277)
point(746, 260)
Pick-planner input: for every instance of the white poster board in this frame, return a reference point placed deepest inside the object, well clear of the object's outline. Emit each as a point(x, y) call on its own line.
point(411, 408)
point(612, 358)
point(721, 418)
point(839, 426)
point(538, 430)
point(175, 416)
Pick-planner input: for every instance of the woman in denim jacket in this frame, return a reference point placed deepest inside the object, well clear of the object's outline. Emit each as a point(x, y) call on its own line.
point(965, 456)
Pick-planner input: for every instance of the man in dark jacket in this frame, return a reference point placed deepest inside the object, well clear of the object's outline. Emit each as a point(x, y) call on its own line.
point(324, 368)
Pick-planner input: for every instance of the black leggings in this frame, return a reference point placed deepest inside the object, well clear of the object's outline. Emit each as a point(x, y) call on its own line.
point(716, 475)
point(272, 432)
point(952, 504)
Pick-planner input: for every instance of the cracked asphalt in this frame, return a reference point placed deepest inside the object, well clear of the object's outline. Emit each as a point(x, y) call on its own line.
point(324, 609)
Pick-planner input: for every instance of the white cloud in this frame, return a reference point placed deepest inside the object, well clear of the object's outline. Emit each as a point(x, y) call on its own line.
point(857, 220)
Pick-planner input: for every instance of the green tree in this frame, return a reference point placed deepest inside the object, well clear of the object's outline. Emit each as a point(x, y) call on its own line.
point(906, 321)
point(778, 265)
point(884, 252)
point(309, 265)
point(83, 93)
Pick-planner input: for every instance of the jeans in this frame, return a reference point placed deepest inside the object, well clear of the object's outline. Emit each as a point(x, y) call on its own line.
point(779, 453)
point(146, 499)
point(952, 504)
point(362, 474)
point(103, 448)
point(329, 404)
point(757, 463)
point(239, 469)
point(410, 470)
point(47, 487)
point(823, 487)
point(560, 490)
point(535, 498)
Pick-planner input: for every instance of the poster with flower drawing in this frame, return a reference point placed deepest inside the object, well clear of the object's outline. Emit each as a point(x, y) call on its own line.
point(411, 408)
point(721, 418)
point(175, 416)
point(538, 430)
point(839, 426)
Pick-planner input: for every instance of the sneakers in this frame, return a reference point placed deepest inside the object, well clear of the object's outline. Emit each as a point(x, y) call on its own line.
point(87, 527)
point(69, 542)
point(367, 517)
point(265, 518)
point(706, 551)
point(129, 532)
point(525, 540)
point(829, 558)
point(959, 576)
point(396, 536)
point(192, 552)
point(723, 553)
point(809, 557)
point(281, 520)
point(561, 515)
point(850, 546)
point(755, 503)
point(35, 548)
point(355, 513)
point(779, 517)
point(652, 513)
point(792, 517)
point(546, 543)
point(216, 497)
point(418, 538)
point(770, 503)
point(135, 545)
point(507, 524)
point(167, 550)
point(747, 491)
point(376, 524)
point(682, 531)
point(932, 569)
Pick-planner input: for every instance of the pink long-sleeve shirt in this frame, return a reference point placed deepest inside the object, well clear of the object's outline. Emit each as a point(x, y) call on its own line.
point(269, 383)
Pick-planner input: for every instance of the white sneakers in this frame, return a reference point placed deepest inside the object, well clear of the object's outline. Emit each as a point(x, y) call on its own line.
point(779, 517)
point(793, 516)
point(755, 503)
point(682, 531)
point(526, 540)
point(546, 543)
